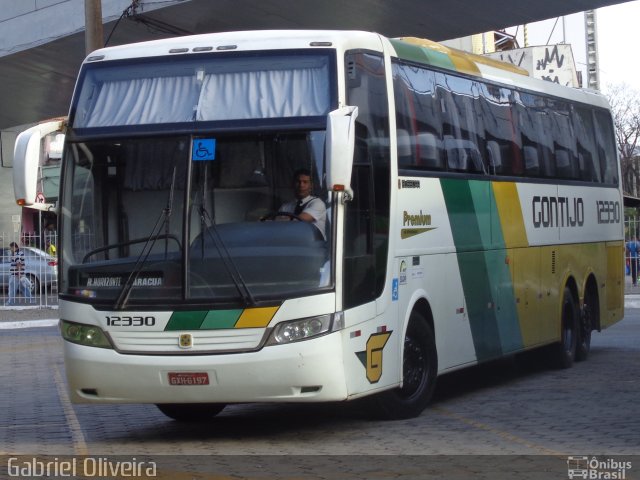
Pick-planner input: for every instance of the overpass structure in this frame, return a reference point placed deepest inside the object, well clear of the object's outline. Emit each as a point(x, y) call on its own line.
point(42, 42)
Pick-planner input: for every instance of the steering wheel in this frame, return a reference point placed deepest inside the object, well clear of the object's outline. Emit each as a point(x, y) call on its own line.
point(274, 215)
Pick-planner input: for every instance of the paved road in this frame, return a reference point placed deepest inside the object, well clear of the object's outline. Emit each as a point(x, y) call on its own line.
point(504, 420)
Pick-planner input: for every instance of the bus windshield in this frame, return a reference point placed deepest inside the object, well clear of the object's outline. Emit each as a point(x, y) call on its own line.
point(146, 222)
point(203, 88)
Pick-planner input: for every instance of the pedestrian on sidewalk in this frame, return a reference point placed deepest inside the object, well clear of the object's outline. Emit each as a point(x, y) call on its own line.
point(633, 248)
point(18, 281)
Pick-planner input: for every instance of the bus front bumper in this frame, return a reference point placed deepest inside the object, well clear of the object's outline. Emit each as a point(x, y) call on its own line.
point(308, 371)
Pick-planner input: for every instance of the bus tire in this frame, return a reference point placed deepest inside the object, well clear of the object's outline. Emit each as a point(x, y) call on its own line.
point(419, 371)
point(565, 349)
point(588, 320)
point(190, 412)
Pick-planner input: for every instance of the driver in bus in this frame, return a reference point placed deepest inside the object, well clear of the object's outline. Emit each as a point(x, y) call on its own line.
point(306, 207)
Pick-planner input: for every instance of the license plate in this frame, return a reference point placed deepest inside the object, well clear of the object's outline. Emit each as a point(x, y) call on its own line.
point(188, 378)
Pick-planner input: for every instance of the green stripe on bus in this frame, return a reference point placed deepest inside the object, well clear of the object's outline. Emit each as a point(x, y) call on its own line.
point(485, 275)
point(203, 320)
point(217, 319)
point(499, 267)
point(186, 320)
point(419, 54)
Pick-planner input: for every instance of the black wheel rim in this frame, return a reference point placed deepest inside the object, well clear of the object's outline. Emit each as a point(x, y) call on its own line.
point(568, 326)
point(415, 367)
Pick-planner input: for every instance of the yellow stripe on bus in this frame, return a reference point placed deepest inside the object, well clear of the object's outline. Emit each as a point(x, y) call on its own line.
point(256, 317)
point(510, 211)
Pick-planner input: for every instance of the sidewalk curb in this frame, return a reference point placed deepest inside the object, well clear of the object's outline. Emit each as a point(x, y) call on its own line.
point(632, 301)
point(29, 324)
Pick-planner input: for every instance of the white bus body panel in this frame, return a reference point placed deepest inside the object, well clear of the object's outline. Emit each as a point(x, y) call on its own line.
point(273, 374)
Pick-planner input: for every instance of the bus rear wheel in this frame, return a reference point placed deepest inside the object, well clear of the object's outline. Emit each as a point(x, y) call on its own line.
point(565, 349)
point(191, 412)
point(419, 371)
point(589, 319)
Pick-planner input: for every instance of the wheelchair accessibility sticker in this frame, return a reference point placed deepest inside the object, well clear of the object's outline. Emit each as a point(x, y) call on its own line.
point(203, 149)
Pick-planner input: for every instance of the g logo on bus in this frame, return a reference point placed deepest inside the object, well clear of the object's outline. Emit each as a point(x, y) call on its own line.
point(372, 357)
point(185, 340)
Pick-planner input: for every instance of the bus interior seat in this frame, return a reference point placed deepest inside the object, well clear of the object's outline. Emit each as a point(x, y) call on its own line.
point(457, 155)
point(589, 173)
point(531, 160)
point(236, 204)
point(405, 157)
point(429, 151)
point(457, 158)
point(563, 163)
point(494, 157)
point(476, 164)
point(463, 155)
point(151, 201)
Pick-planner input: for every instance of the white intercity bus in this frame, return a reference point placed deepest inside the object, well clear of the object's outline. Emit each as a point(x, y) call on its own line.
point(472, 213)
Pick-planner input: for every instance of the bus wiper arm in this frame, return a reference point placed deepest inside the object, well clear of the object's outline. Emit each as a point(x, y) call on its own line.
point(163, 220)
point(227, 259)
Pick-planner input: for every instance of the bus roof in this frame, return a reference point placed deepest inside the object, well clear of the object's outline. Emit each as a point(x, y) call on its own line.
point(412, 49)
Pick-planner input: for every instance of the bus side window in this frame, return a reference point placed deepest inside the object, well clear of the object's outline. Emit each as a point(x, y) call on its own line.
point(606, 145)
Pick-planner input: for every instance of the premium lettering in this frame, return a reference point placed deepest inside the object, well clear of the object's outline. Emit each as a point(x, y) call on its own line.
point(416, 220)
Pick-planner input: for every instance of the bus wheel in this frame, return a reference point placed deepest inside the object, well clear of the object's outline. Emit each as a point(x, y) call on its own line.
point(191, 412)
point(583, 346)
point(565, 350)
point(419, 371)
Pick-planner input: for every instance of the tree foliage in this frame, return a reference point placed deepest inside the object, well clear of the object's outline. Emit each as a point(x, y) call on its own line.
point(625, 108)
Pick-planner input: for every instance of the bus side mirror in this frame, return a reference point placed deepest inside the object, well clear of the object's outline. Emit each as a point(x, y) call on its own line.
point(341, 135)
point(26, 160)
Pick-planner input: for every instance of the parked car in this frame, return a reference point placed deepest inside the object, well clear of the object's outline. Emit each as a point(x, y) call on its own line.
point(40, 267)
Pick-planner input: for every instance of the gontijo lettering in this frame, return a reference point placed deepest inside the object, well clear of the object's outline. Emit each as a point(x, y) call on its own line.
point(557, 212)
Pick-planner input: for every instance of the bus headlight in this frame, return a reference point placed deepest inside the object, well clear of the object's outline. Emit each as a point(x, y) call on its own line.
point(88, 335)
point(304, 329)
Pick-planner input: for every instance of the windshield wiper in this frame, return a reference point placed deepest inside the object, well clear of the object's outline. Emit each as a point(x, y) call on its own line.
point(163, 220)
point(214, 234)
point(227, 259)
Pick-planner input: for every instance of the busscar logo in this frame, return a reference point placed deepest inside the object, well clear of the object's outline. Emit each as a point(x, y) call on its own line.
point(409, 183)
point(597, 468)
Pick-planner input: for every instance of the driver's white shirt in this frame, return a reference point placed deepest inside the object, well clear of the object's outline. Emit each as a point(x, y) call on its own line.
point(314, 206)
